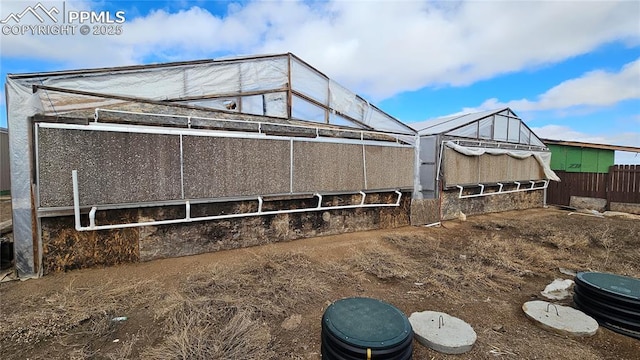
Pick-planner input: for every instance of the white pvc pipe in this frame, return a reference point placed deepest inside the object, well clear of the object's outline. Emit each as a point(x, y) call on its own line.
point(92, 217)
point(518, 189)
point(76, 198)
point(188, 218)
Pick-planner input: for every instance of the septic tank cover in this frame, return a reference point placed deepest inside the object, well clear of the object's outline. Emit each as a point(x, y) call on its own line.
point(560, 319)
point(367, 323)
point(442, 332)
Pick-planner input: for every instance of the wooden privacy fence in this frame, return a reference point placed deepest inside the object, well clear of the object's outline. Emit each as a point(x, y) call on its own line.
point(621, 184)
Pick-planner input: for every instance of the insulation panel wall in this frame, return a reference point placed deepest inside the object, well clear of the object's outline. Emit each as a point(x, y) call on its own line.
point(461, 169)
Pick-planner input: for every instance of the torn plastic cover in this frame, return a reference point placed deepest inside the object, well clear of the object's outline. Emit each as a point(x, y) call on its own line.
point(22, 104)
point(179, 82)
point(543, 158)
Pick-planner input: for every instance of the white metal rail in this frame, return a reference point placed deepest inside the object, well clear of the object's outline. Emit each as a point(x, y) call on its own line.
point(187, 219)
point(519, 188)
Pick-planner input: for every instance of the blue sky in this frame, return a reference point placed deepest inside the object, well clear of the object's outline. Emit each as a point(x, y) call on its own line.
point(570, 69)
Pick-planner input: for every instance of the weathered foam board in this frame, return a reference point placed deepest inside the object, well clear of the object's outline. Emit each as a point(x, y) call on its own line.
point(389, 167)
point(327, 167)
point(459, 168)
point(113, 167)
point(221, 167)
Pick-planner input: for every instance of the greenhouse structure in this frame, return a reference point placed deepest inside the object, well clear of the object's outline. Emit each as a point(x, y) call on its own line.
point(136, 163)
point(479, 162)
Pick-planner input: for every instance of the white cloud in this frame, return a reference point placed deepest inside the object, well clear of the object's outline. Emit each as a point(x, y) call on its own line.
point(378, 49)
point(561, 132)
point(593, 89)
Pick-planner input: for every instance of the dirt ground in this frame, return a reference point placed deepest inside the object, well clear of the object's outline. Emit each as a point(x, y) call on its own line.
point(267, 302)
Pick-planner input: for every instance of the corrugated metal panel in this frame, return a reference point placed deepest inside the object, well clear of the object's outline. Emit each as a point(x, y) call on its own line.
point(558, 157)
point(580, 160)
point(5, 179)
point(574, 160)
point(589, 160)
point(606, 159)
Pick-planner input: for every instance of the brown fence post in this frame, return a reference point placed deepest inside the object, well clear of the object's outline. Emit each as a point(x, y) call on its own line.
point(608, 183)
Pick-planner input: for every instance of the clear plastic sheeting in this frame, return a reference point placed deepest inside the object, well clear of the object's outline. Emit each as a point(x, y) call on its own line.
point(381, 121)
point(543, 158)
point(309, 82)
point(55, 102)
point(174, 83)
point(525, 134)
point(485, 128)
point(22, 104)
point(514, 130)
point(342, 121)
point(275, 104)
point(346, 102)
point(470, 130)
point(500, 125)
point(230, 104)
point(264, 74)
point(537, 142)
point(213, 84)
point(253, 105)
point(220, 79)
point(304, 110)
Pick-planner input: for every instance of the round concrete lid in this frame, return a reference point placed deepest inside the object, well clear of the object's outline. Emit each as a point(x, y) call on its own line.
point(442, 332)
point(367, 323)
point(560, 319)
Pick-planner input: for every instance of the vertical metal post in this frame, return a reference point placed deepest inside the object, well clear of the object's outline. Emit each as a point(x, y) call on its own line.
point(76, 198)
point(364, 166)
point(289, 87)
point(291, 166)
point(181, 169)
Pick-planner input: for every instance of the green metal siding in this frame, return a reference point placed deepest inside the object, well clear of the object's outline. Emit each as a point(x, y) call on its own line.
point(574, 159)
point(580, 160)
point(589, 160)
point(606, 159)
point(558, 157)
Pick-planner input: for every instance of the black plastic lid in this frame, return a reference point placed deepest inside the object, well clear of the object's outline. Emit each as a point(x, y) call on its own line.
point(367, 323)
point(622, 286)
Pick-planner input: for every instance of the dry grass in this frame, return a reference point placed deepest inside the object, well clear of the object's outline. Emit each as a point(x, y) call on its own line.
point(73, 310)
point(198, 330)
point(270, 285)
point(236, 310)
point(384, 264)
point(126, 350)
point(223, 313)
